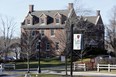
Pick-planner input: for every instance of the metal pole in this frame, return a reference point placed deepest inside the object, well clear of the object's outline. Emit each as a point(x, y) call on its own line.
point(71, 68)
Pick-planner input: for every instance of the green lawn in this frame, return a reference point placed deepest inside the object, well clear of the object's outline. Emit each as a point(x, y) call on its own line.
point(52, 62)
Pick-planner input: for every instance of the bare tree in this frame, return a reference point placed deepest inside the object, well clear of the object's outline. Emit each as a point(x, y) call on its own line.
point(111, 32)
point(7, 31)
point(61, 37)
point(16, 47)
point(80, 8)
point(28, 45)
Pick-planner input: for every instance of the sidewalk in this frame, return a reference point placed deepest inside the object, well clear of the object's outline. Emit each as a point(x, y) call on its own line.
point(93, 74)
point(87, 73)
point(75, 73)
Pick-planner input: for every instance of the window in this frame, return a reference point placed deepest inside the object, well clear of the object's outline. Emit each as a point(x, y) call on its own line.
point(42, 32)
point(42, 20)
point(33, 33)
point(47, 46)
point(28, 21)
point(38, 45)
point(57, 20)
point(52, 32)
point(57, 45)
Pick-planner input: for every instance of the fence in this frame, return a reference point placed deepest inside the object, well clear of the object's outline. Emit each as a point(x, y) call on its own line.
point(3, 66)
point(75, 66)
point(109, 67)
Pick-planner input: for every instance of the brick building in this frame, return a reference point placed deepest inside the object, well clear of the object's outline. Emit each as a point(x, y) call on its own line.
point(50, 26)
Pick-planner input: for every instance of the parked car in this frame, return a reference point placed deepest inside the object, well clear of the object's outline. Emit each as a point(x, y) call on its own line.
point(105, 59)
point(9, 58)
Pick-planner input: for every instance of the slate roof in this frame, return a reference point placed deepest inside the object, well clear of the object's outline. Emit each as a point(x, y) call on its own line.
point(91, 19)
point(50, 13)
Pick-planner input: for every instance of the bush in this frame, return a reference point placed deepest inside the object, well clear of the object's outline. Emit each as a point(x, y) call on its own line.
point(95, 52)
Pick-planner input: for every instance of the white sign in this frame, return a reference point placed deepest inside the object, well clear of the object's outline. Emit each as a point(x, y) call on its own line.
point(62, 58)
point(77, 38)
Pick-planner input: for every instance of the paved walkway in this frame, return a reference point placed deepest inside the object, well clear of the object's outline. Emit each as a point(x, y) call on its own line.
point(16, 73)
point(87, 73)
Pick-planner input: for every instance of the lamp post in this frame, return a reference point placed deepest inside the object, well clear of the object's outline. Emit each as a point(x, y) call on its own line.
point(71, 53)
point(71, 67)
point(39, 56)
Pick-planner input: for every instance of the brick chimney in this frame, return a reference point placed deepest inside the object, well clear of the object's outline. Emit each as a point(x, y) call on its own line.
point(31, 8)
point(98, 12)
point(70, 6)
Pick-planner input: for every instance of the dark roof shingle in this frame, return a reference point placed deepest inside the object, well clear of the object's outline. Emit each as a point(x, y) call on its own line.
point(91, 19)
point(50, 13)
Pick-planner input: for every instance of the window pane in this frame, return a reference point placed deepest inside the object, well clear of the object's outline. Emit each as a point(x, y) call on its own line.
point(47, 46)
point(57, 20)
point(57, 45)
point(37, 45)
point(42, 32)
point(52, 32)
point(42, 20)
point(33, 33)
point(28, 21)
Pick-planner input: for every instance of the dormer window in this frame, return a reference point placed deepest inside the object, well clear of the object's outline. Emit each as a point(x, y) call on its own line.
point(28, 21)
point(57, 20)
point(43, 19)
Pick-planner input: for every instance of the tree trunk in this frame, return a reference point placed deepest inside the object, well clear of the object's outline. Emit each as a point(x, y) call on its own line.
point(28, 64)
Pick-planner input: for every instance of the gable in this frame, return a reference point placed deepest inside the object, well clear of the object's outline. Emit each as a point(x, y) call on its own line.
point(72, 14)
point(43, 15)
point(57, 15)
point(28, 16)
point(99, 20)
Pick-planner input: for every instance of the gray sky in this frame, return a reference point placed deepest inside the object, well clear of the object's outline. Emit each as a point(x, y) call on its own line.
point(19, 8)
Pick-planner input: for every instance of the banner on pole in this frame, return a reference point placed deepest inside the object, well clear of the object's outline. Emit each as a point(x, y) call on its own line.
point(77, 41)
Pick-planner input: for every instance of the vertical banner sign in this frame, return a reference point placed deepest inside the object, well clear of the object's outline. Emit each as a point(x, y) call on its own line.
point(77, 38)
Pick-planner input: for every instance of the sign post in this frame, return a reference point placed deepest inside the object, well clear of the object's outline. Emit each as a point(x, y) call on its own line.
point(71, 67)
point(76, 44)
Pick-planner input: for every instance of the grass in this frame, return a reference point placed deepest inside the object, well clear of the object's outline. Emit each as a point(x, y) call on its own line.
point(83, 60)
point(51, 62)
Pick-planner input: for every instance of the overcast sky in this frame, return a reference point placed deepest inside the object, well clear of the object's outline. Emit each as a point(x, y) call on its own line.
point(19, 8)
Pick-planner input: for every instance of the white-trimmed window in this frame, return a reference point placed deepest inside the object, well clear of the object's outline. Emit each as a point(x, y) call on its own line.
point(57, 20)
point(42, 20)
point(52, 32)
point(57, 45)
point(38, 45)
point(28, 21)
point(47, 46)
point(42, 32)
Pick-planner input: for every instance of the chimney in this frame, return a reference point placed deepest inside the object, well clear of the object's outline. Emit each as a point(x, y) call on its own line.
point(31, 8)
point(98, 12)
point(70, 6)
